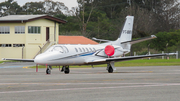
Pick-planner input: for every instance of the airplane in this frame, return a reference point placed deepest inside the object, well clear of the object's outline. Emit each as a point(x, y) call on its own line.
point(105, 53)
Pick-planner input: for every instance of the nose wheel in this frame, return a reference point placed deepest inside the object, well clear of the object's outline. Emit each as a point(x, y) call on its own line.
point(48, 70)
point(65, 69)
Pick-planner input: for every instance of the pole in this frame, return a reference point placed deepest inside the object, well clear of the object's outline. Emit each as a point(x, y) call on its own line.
point(148, 49)
point(162, 53)
point(177, 55)
point(36, 68)
point(22, 52)
point(167, 51)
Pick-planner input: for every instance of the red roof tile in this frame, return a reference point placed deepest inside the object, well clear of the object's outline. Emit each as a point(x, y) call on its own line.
point(75, 40)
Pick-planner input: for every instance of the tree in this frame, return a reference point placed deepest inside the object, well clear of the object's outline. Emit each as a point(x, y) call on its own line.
point(46, 7)
point(9, 7)
point(83, 13)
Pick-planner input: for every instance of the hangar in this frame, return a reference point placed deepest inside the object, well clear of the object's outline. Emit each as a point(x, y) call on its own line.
point(23, 36)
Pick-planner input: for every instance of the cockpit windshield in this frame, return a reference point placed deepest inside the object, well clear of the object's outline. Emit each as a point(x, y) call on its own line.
point(56, 49)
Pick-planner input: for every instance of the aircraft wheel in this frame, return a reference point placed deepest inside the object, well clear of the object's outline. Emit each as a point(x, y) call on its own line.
point(66, 71)
point(110, 69)
point(48, 71)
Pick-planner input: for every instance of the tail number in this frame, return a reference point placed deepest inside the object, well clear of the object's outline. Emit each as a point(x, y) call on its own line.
point(126, 31)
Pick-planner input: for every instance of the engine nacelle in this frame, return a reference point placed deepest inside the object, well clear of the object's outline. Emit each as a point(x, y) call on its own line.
point(109, 50)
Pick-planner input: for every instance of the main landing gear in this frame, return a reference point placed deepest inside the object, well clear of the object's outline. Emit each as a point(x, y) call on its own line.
point(109, 68)
point(65, 69)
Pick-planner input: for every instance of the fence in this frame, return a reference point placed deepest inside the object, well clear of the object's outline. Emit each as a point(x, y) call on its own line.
point(164, 57)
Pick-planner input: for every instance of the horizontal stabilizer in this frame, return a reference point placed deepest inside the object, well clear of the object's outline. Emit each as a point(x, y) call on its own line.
point(140, 40)
point(23, 60)
point(100, 40)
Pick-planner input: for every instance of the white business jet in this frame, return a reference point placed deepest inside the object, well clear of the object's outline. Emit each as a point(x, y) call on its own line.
point(106, 53)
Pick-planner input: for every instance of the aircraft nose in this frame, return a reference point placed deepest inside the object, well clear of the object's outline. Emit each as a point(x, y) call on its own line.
point(39, 59)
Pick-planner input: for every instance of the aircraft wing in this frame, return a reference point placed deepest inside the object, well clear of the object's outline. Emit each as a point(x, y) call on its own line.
point(106, 60)
point(23, 60)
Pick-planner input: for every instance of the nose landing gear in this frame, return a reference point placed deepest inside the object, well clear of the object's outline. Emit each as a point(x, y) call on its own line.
point(65, 69)
point(48, 70)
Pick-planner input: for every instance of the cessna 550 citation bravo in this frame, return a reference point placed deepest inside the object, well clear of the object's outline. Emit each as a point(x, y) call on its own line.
point(106, 53)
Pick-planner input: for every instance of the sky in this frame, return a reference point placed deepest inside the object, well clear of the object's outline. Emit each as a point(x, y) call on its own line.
point(68, 3)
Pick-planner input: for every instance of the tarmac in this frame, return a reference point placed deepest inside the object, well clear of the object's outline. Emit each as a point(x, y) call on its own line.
point(151, 83)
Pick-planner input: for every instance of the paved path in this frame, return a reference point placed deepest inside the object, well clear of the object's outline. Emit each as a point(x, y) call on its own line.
point(158, 83)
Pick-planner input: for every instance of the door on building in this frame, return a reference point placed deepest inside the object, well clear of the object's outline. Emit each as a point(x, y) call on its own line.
point(47, 33)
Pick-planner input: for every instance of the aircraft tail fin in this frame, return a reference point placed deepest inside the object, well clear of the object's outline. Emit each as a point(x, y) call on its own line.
point(126, 33)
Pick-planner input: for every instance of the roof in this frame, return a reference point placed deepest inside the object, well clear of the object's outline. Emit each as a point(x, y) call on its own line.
point(27, 18)
point(75, 40)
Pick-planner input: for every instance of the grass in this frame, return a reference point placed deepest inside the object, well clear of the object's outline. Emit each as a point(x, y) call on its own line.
point(151, 62)
point(141, 62)
point(1, 62)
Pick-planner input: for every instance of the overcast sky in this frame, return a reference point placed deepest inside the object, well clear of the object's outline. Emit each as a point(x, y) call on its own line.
point(68, 3)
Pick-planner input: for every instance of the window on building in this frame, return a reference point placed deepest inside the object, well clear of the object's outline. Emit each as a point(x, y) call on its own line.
point(34, 29)
point(19, 29)
point(18, 45)
point(5, 45)
point(4, 29)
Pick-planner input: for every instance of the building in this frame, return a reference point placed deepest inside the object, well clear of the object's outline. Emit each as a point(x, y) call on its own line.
point(75, 40)
point(22, 36)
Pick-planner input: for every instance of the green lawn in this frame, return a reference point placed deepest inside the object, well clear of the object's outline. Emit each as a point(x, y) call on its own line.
point(131, 63)
point(151, 62)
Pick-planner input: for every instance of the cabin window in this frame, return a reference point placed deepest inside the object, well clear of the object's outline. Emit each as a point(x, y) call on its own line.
point(94, 49)
point(34, 29)
point(84, 50)
point(76, 49)
point(80, 49)
point(90, 49)
point(87, 49)
point(19, 29)
point(4, 29)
